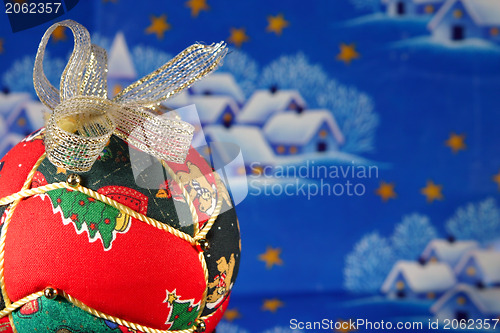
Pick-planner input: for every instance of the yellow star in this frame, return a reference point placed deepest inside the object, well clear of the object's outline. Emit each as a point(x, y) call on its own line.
point(276, 24)
point(197, 6)
point(158, 26)
point(347, 53)
point(1, 45)
point(272, 305)
point(496, 179)
point(271, 257)
point(432, 191)
point(344, 326)
point(61, 170)
point(238, 37)
point(59, 34)
point(386, 191)
point(171, 297)
point(456, 142)
point(232, 314)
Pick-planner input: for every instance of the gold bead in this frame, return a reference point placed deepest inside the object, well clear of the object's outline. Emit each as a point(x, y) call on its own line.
point(200, 326)
point(73, 180)
point(203, 244)
point(50, 293)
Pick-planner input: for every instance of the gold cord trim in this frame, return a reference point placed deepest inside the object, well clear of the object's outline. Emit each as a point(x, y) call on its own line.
point(26, 192)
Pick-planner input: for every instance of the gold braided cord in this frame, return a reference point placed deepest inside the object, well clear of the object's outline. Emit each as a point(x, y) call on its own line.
point(133, 213)
point(54, 186)
point(3, 237)
point(203, 263)
point(117, 320)
point(16, 305)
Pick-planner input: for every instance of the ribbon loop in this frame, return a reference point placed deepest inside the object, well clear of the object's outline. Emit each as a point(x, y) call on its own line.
point(83, 119)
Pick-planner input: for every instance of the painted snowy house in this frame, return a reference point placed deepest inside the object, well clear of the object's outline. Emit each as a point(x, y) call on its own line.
point(10, 102)
point(307, 132)
point(263, 104)
point(215, 110)
point(465, 302)
point(219, 84)
point(26, 118)
point(257, 153)
point(480, 268)
point(9, 141)
point(121, 69)
point(411, 7)
point(462, 19)
point(446, 251)
point(412, 280)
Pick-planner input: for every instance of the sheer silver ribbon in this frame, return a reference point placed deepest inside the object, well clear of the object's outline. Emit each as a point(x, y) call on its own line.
point(84, 119)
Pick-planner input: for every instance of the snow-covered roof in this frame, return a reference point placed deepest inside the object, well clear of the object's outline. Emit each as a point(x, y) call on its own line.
point(253, 146)
point(210, 107)
point(483, 12)
point(432, 277)
point(488, 262)
point(263, 103)
point(120, 64)
point(219, 84)
point(486, 300)
point(35, 111)
point(298, 129)
point(8, 102)
point(449, 252)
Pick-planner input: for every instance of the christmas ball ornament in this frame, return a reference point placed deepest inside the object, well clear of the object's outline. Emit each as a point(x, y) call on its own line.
point(90, 242)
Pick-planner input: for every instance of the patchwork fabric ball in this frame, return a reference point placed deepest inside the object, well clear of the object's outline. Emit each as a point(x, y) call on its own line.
point(104, 251)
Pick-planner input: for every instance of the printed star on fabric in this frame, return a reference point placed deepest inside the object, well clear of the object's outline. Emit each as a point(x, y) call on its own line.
point(496, 179)
point(276, 24)
point(171, 297)
point(1, 46)
point(238, 37)
point(272, 305)
point(232, 314)
point(348, 53)
point(60, 170)
point(59, 34)
point(271, 257)
point(158, 25)
point(197, 6)
point(456, 142)
point(432, 191)
point(386, 191)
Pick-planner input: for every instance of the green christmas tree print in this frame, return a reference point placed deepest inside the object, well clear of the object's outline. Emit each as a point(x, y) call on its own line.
point(99, 219)
point(183, 313)
point(59, 314)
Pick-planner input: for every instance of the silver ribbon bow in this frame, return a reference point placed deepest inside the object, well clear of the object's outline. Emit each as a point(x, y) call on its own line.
point(84, 119)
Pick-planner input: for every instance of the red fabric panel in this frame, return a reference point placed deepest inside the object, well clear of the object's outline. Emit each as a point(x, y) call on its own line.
point(130, 281)
point(17, 164)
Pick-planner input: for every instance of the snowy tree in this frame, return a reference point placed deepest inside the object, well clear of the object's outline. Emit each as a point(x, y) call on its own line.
point(478, 221)
point(244, 69)
point(411, 236)
point(367, 5)
point(367, 266)
point(147, 59)
point(224, 327)
point(19, 77)
point(354, 112)
point(294, 72)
